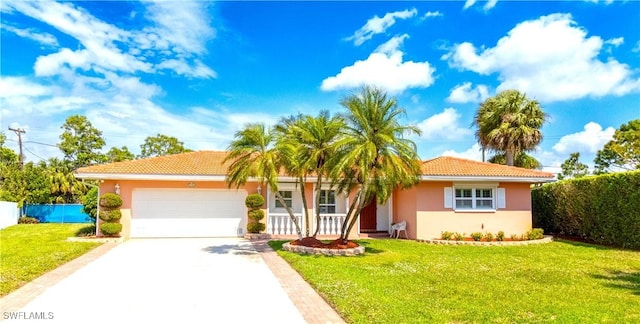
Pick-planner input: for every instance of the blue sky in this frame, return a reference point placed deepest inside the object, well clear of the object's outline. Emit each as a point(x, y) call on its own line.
point(200, 70)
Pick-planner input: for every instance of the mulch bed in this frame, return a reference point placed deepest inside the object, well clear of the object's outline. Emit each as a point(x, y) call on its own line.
point(315, 243)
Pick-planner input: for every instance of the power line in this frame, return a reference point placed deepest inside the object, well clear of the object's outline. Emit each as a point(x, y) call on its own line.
point(36, 155)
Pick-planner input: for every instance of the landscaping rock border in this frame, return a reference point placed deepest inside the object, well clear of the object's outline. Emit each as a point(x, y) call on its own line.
point(96, 239)
point(545, 239)
point(321, 251)
point(257, 236)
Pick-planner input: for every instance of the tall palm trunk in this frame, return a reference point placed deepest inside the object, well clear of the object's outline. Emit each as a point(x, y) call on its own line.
point(509, 154)
point(352, 216)
point(317, 204)
point(293, 217)
point(304, 207)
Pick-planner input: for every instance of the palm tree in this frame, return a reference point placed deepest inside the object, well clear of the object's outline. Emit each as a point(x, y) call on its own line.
point(509, 123)
point(522, 160)
point(311, 141)
point(65, 188)
point(253, 155)
point(372, 154)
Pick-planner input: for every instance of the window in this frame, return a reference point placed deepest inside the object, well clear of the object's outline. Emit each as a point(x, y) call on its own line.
point(474, 198)
point(327, 202)
point(287, 197)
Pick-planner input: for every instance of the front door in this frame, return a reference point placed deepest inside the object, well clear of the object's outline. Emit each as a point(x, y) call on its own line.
point(368, 217)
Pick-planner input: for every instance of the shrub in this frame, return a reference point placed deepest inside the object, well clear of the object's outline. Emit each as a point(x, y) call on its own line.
point(476, 236)
point(110, 200)
point(111, 229)
point(113, 215)
point(254, 201)
point(255, 227)
point(86, 231)
point(256, 215)
point(515, 237)
point(602, 209)
point(446, 235)
point(535, 234)
point(488, 237)
point(90, 203)
point(500, 236)
point(458, 236)
point(28, 220)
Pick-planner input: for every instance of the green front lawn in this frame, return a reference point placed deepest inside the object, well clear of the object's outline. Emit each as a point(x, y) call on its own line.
point(29, 250)
point(400, 281)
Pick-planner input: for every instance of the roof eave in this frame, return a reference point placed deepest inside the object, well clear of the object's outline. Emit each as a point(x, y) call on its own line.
point(485, 178)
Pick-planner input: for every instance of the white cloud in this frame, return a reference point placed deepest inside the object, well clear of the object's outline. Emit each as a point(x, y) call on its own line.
point(636, 48)
point(197, 70)
point(384, 68)
point(473, 153)
point(606, 2)
point(468, 4)
point(550, 59)
point(179, 34)
point(444, 125)
point(463, 93)
point(590, 140)
point(182, 27)
point(431, 14)
point(33, 34)
point(377, 25)
point(489, 5)
point(21, 87)
point(615, 41)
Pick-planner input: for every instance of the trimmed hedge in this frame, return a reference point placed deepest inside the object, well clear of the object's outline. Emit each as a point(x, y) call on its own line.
point(113, 215)
point(110, 229)
point(604, 209)
point(110, 200)
point(254, 201)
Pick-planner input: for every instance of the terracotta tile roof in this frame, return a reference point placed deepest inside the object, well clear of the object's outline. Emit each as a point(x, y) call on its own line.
point(451, 166)
point(192, 163)
point(209, 163)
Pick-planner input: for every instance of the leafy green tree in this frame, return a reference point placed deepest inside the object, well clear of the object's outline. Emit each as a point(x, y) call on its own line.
point(253, 154)
point(119, 154)
point(573, 168)
point(623, 151)
point(522, 160)
point(161, 145)
point(372, 155)
point(90, 203)
point(81, 142)
point(29, 185)
point(307, 143)
point(509, 123)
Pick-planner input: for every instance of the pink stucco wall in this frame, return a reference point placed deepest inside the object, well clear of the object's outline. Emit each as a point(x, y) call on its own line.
point(423, 208)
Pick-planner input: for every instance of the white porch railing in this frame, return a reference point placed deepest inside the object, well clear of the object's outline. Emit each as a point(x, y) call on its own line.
point(281, 224)
point(330, 223)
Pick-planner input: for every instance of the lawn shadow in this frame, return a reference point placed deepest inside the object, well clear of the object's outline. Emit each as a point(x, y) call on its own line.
point(621, 280)
point(591, 245)
point(368, 249)
point(231, 249)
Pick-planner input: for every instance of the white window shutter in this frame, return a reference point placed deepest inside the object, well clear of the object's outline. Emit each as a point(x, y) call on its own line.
point(448, 197)
point(502, 198)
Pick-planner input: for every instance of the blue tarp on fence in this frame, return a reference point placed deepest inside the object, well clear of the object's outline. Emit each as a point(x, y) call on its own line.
point(71, 213)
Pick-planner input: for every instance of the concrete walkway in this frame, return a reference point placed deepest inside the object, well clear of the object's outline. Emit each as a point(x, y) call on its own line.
point(162, 281)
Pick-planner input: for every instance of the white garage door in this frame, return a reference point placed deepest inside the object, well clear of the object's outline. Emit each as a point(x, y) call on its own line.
point(188, 213)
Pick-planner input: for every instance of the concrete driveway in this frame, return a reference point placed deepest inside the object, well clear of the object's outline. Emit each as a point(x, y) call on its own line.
point(169, 281)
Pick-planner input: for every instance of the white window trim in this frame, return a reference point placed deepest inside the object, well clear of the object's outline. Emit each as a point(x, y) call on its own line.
point(290, 199)
point(334, 205)
point(473, 198)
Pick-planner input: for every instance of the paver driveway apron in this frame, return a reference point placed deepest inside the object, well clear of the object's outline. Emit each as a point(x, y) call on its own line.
point(204, 280)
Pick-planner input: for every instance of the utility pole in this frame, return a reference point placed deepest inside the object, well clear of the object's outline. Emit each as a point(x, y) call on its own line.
point(19, 132)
